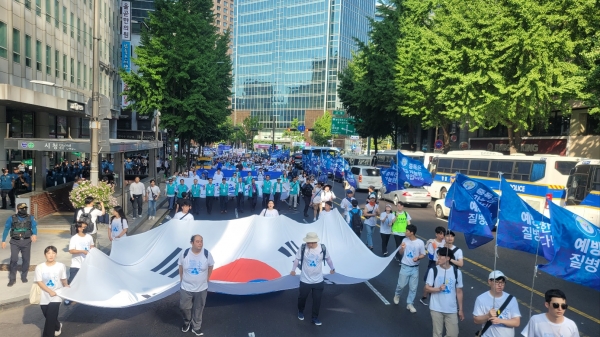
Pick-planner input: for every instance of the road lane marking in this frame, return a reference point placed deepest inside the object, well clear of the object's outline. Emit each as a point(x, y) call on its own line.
point(251, 334)
point(377, 293)
point(442, 219)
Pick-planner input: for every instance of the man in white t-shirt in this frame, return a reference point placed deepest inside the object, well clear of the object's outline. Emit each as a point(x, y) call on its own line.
point(346, 203)
point(327, 210)
point(371, 213)
point(310, 257)
point(444, 283)
point(195, 267)
point(94, 214)
point(184, 214)
point(218, 176)
point(413, 250)
point(431, 246)
point(487, 305)
point(552, 323)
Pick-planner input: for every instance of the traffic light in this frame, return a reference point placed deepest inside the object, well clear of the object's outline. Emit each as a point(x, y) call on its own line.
point(290, 129)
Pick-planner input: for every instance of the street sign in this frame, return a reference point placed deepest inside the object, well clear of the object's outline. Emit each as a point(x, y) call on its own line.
point(339, 112)
point(439, 144)
point(301, 128)
point(342, 126)
point(354, 137)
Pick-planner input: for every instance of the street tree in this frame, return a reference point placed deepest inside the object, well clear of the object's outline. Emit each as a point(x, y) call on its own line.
point(248, 129)
point(183, 70)
point(322, 130)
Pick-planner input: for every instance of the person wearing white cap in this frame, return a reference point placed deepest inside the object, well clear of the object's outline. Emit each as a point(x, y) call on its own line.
point(496, 311)
point(310, 258)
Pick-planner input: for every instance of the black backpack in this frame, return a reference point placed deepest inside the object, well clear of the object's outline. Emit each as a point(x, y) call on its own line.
point(454, 268)
point(355, 221)
point(185, 253)
point(307, 190)
point(85, 217)
point(303, 248)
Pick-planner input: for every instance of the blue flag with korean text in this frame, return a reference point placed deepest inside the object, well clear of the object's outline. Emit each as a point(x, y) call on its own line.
point(413, 171)
point(484, 195)
point(576, 248)
point(521, 227)
point(468, 216)
point(390, 178)
point(348, 175)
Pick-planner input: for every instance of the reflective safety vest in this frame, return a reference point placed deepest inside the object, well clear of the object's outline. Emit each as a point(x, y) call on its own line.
point(21, 228)
point(400, 223)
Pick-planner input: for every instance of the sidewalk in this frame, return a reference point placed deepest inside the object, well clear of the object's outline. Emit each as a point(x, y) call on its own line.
point(55, 230)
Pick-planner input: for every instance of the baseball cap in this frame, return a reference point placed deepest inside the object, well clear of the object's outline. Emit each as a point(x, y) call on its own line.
point(22, 205)
point(349, 191)
point(496, 274)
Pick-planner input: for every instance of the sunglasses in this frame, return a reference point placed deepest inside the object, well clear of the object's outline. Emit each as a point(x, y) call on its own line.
point(563, 306)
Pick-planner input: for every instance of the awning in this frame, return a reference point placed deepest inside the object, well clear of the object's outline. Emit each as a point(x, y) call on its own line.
point(79, 145)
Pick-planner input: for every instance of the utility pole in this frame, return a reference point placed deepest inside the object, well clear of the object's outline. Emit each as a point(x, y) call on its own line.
point(274, 121)
point(94, 122)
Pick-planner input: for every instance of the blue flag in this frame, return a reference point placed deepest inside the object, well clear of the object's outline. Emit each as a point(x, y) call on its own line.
point(521, 227)
point(484, 195)
point(390, 179)
point(576, 248)
point(413, 171)
point(470, 217)
point(348, 175)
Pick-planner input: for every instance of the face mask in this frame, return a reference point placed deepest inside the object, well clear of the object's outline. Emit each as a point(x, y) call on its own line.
point(23, 211)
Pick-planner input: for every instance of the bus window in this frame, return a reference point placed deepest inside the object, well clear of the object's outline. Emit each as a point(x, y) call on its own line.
point(564, 167)
point(363, 162)
point(444, 165)
point(506, 167)
point(522, 170)
point(460, 165)
point(539, 171)
point(595, 185)
point(479, 168)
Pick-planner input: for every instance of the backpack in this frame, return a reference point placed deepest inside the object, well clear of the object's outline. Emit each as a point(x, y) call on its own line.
point(454, 268)
point(87, 218)
point(355, 221)
point(185, 253)
point(454, 250)
point(306, 190)
point(303, 248)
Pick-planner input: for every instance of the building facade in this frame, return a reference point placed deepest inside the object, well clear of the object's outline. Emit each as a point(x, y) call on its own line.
point(287, 56)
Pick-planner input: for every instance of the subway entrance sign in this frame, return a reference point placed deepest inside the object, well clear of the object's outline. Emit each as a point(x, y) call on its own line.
point(342, 126)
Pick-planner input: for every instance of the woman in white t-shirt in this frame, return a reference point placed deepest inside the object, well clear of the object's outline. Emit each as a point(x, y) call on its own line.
point(79, 247)
point(326, 196)
point(51, 276)
point(118, 224)
point(316, 200)
point(387, 219)
point(270, 211)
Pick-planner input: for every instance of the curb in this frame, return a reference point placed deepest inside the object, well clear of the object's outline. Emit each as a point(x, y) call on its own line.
point(14, 302)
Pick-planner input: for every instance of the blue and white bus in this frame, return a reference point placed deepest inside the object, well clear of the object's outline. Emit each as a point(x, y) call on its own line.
point(383, 159)
point(583, 191)
point(534, 178)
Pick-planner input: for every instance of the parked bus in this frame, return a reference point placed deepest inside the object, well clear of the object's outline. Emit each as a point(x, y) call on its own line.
point(362, 160)
point(384, 159)
point(532, 177)
point(583, 191)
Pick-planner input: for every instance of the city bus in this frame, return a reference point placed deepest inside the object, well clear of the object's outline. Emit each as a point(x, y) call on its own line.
point(383, 159)
point(362, 160)
point(583, 191)
point(533, 177)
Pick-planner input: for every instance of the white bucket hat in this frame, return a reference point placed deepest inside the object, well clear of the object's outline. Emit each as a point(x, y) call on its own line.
point(311, 237)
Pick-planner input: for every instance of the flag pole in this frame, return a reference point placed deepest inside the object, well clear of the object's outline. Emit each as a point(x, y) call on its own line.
point(497, 229)
point(535, 268)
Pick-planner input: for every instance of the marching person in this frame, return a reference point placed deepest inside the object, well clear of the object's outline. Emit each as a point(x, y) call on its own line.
point(51, 276)
point(93, 213)
point(346, 203)
point(310, 258)
point(496, 311)
point(79, 246)
point(294, 190)
point(252, 194)
point(277, 190)
point(239, 193)
point(266, 190)
point(223, 195)
point(553, 322)
point(399, 227)
point(387, 219)
point(210, 195)
point(431, 246)
point(136, 190)
point(371, 213)
point(152, 194)
point(195, 267)
point(270, 211)
point(23, 231)
point(195, 194)
point(170, 192)
point(316, 200)
point(118, 224)
point(445, 284)
point(413, 250)
point(327, 195)
point(307, 189)
point(184, 214)
point(327, 211)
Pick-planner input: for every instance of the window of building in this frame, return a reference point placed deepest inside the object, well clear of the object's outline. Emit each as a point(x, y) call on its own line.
point(16, 46)
point(84, 127)
point(225, 10)
point(72, 25)
point(91, 82)
point(84, 34)
point(78, 73)
point(48, 60)
point(38, 55)
point(225, 3)
point(21, 124)
point(72, 70)
point(78, 29)
point(218, 8)
point(64, 67)
point(27, 50)
point(28, 4)
point(64, 19)
point(3, 40)
point(56, 13)
point(58, 126)
point(225, 24)
point(124, 124)
point(144, 125)
point(38, 7)
point(224, 17)
point(48, 11)
point(84, 76)
point(91, 37)
point(56, 64)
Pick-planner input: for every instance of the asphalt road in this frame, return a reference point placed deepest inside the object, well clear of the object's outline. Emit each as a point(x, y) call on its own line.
point(347, 310)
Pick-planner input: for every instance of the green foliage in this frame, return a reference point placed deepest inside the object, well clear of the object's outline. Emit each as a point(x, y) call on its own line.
point(295, 136)
point(322, 130)
point(183, 71)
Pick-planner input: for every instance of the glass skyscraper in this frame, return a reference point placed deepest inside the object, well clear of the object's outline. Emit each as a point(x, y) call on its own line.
point(281, 56)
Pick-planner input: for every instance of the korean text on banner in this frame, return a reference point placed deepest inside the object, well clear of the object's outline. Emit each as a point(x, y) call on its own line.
point(413, 171)
point(126, 20)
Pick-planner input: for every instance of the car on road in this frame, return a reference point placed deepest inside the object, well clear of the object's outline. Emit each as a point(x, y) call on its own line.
point(441, 211)
point(366, 176)
point(409, 195)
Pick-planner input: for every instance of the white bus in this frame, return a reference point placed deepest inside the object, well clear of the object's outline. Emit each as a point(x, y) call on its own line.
point(383, 159)
point(534, 178)
point(583, 191)
point(362, 160)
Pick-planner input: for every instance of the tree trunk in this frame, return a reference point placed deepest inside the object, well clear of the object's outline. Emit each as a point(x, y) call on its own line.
point(511, 140)
point(446, 138)
point(189, 155)
point(173, 161)
point(396, 128)
point(411, 136)
point(375, 143)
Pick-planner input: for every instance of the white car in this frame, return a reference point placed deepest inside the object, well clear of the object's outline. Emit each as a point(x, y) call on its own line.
point(410, 195)
point(441, 211)
point(366, 176)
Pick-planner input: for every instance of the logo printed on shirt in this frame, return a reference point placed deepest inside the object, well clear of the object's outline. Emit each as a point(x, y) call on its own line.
point(49, 284)
point(410, 254)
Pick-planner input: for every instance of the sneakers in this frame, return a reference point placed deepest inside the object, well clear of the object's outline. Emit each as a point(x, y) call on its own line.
point(316, 321)
point(411, 308)
point(314, 219)
point(423, 300)
point(67, 302)
point(11, 283)
point(198, 332)
point(134, 218)
point(185, 327)
point(24, 280)
point(385, 254)
point(57, 333)
point(396, 299)
point(300, 315)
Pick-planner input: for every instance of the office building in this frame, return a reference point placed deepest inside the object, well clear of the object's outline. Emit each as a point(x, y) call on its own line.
point(287, 56)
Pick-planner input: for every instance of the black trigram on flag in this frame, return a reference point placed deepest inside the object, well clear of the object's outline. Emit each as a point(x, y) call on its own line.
point(172, 270)
point(283, 250)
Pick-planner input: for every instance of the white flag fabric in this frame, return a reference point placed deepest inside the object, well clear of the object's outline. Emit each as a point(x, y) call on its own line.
point(253, 255)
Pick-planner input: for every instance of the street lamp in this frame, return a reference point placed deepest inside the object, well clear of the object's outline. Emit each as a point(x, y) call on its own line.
point(274, 121)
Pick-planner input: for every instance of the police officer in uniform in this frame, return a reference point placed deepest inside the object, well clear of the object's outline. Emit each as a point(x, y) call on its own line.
point(23, 231)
